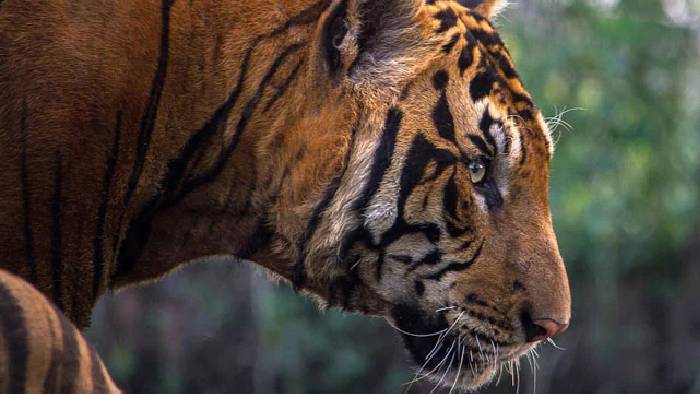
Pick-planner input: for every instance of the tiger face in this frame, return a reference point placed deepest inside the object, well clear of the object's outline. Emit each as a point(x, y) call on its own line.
point(439, 217)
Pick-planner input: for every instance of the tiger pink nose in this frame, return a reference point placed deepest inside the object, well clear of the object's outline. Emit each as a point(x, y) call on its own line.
point(548, 328)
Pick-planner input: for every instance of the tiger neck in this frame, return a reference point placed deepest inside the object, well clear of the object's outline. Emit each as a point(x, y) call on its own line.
point(235, 184)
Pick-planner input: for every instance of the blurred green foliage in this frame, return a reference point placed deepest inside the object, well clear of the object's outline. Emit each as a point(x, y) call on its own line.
point(625, 194)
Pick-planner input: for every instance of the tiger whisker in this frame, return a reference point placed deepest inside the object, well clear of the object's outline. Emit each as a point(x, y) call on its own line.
point(478, 343)
point(500, 372)
point(415, 335)
point(444, 335)
point(554, 122)
point(459, 367)
point(495, 354)
point(551, 342)
point(417, 378)
point(534, 372)
point(437, 368)
point(447, 370)
point(517, 374)
point(427, 360)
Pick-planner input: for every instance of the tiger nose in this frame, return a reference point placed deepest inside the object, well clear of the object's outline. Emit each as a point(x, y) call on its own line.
point(540, 329)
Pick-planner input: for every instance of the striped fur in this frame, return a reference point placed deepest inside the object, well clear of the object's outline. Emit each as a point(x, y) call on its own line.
point(337, 143)
point(40, 350)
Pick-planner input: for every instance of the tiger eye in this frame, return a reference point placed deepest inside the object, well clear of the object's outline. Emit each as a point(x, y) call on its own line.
point(477, 171)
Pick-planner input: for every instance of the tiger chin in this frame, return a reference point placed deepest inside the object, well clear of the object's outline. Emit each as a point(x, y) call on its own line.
point(381, 155)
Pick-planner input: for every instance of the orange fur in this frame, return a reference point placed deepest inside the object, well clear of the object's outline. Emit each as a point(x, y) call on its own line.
point(329, 141)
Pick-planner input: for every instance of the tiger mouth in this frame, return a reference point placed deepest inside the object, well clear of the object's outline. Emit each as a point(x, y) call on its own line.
point(445, 355)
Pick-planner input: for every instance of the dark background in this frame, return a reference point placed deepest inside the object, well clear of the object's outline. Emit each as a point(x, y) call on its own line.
point(626, 76)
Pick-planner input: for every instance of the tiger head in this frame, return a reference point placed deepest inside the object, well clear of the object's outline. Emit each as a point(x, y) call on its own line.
point(436, 214)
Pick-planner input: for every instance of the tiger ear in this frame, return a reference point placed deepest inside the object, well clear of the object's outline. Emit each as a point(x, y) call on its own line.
point(389, 42)
point(489, 9)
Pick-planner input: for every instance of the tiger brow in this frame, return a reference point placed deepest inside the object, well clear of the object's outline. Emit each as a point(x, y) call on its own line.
point(481, 145)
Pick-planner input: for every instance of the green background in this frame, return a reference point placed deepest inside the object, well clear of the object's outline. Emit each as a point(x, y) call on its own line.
point(625, 204)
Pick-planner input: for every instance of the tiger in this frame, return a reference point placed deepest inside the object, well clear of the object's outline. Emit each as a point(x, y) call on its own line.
point(382, 156)
point(40, 350)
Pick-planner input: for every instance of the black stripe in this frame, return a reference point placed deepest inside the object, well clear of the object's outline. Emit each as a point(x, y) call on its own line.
point(149, 116)
point(305, 17)
point(56, 233)
point(285, 86)
point(456, 267)
point(466, 57)
point(243, 121)
point(15, 333)
point(442, 117)
point(487, 38)
point(483, 81)
point(447, 18)
point(299, 276)
point(432, 258)
point(261, 237)
point(490, 191)
point(26, 198)
point(382, 157)
point(485, 125)
point(199, 139)
point(341, 290)
point(452, 201)
point(177, 168)
point(357, 236)
point(441, 79)
point(140, 227)
point(470, 3)
point(51, 378)
point(98, 258)
point(264, 231)
point(70, 370)
point(465, 245)
point(419, 155)
point(481, 145)
point(333, 33)
point(447, 48)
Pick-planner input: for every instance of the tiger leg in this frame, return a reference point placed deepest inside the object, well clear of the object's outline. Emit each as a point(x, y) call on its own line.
point(40, 350)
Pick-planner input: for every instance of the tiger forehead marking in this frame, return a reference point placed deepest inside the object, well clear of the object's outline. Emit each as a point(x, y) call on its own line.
point(493, 75)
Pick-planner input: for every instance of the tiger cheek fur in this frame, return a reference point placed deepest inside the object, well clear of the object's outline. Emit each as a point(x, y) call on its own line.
point(381, 155)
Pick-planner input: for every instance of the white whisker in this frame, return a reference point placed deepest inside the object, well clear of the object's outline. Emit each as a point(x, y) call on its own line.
point(415, 335)
point(551, 342)
point(517, 374)
point(417, 378)
point(500, 372)
point(447, 370)
point(495, 354)
point(481, 350)
point(459, 368)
